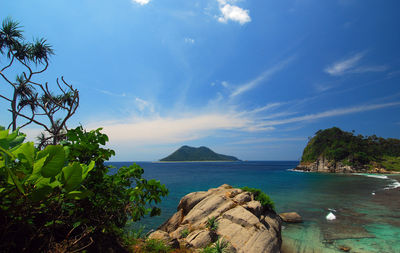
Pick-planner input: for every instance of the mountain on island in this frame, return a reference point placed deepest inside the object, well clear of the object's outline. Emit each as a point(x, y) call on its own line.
point(186, 154)
point(335, 150)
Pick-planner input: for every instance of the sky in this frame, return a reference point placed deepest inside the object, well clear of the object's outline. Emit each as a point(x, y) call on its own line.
point(253, 79)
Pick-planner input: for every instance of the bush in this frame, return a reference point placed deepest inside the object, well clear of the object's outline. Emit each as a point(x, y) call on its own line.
point(212, 224)
point(155, 246)
point(184, 233)
point(260, 196)
point(64, 198)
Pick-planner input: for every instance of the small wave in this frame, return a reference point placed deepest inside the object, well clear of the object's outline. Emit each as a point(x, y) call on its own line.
point(330, 216)
point(372, 175)
point(331, 209)
point(395, 184)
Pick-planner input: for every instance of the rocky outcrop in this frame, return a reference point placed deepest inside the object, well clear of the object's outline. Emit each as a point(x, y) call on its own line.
point(243, 222)
point(291, 217)
point(324, 165)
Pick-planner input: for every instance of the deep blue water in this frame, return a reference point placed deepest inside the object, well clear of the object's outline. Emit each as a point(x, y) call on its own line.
point(312, 195)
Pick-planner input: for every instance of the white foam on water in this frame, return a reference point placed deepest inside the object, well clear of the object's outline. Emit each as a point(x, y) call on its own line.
point(395, 184)
point(331, 209)
point(330, 216)
point(373, 193)
point(372, 175)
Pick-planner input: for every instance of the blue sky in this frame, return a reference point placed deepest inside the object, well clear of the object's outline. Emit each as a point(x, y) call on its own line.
point(247, 78)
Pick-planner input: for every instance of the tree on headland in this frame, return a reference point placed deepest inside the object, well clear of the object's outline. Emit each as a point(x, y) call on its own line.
point(33, 101)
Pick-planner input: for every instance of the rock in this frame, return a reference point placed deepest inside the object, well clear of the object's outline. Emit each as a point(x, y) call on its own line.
point(164, 236)
point(200, 238)
point(344, 248)
point(242, 197)
point(322, 164)
point(291, 217)
point(172, 223)
point(254, 207)
point(241, 221)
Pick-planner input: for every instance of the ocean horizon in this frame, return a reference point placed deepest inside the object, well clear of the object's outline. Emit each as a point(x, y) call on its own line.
point(363, 222)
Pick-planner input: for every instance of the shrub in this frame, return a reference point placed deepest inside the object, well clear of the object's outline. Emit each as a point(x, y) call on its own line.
point(260, 196)
point(212, 224)
point(155, 246)
point(184, 233)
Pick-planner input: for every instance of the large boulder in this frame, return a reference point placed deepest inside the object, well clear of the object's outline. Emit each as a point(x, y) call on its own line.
point(291, 217)
point(240, 220)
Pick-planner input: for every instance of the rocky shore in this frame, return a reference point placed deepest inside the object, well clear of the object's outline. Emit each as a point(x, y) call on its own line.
point(223, 214)
point(328, 166)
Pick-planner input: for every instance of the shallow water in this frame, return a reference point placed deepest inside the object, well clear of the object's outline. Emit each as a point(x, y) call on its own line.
point(363, 222)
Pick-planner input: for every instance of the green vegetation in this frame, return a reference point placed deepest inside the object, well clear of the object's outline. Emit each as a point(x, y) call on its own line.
point(355, 150)
point(60, 196)
point(260, 196)
point(186, 153)
point(155, 246)
point(50, 198)
point(220, 246)
point(185, 233)
point(212, 224)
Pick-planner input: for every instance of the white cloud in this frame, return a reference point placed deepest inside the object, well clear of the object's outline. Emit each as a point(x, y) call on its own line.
point(349, 66)
point(141, 2)
point(341, 67)
point(190, 40)
point(233, 13)
point(225, 84)
point(144, 105)
point(166, 130)
point(266, 140)
point(265, 76)
point(331, 113)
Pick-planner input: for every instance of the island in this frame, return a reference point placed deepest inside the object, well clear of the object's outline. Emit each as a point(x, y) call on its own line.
point(201, 154)
point(337, 151)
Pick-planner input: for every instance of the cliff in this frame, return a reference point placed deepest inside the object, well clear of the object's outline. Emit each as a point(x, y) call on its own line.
point(224, 216)
point(186, 153)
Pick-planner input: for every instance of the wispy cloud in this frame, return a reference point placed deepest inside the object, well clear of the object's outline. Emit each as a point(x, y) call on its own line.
point(141, 2)
point(341, 67)
point(144, 105)
point(265, 76)
point(267, 140)
point(350, 66)
point(162, 130)
point(106, 92)
point(189, 40)
point(331, 113)
point(233, 13)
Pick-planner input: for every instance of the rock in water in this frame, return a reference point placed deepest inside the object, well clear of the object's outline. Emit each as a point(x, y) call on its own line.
point(247, 226)
point(291, 217)
point(330, 216)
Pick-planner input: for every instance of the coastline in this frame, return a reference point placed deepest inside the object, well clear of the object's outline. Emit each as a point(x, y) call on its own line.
point(195, 161)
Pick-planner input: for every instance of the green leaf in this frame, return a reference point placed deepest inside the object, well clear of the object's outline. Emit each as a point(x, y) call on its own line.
point(18, 140)
point(72, 176)
point(15, 180)
point(87, 169)
point(41, 193)
point(25, 153)
point(37, 168)
point(7, 153)
point(54, 162)
point(77, 195)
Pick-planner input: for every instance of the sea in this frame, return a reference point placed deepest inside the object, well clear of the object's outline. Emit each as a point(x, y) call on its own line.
point(360, 220)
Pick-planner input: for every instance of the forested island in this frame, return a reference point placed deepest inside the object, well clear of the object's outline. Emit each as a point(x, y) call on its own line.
point(192, 154)
point(335, 150)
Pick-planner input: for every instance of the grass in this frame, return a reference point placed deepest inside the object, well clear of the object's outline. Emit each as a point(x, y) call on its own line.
point(184, 233)
point(212, 224)
point(260, 196)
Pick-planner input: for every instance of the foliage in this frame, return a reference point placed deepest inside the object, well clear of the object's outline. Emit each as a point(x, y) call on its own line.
point(31, 99)
point(186, 153)
point(391, 163)
point(121, 197)
point(185, 233)
point(36, 189)
point(260, 196)
point(155, 246)
point(337, 145)
point(220, 246)
point(212, 224)
point(47, 198)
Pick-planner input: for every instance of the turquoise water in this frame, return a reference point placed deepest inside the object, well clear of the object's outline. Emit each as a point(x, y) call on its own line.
point(361, 223)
